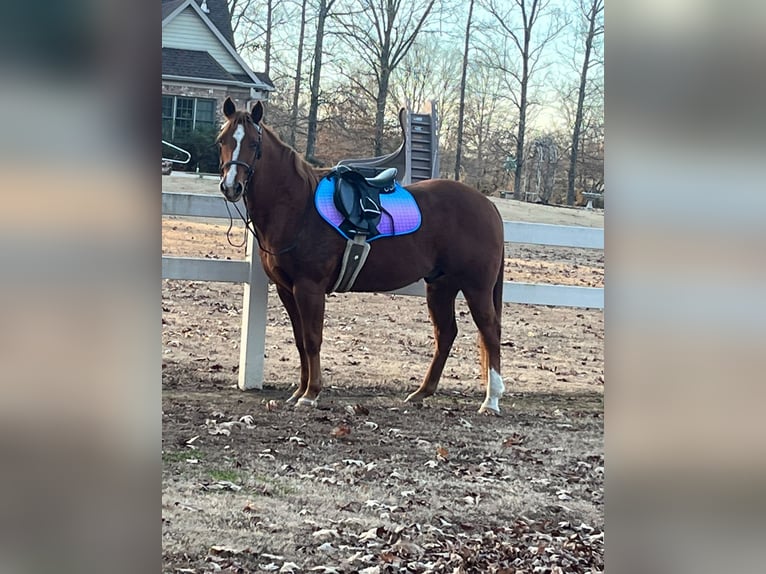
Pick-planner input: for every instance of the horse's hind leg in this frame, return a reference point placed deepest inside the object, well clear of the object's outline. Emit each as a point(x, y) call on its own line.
point(480, 302)
point(286, 296)
point(441, 308)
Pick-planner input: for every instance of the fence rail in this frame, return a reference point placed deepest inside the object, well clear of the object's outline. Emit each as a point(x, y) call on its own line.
point(250, 273)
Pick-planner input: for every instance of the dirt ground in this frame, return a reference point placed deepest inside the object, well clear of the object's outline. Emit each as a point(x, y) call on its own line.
point(366, 483)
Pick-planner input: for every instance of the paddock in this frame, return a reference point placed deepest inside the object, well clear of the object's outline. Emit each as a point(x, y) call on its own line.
point(365, 483)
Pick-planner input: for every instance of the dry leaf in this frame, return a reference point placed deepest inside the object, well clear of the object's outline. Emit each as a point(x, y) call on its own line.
point(513, 440)
point(272, 405)
point(341, 431)
point(442, 453)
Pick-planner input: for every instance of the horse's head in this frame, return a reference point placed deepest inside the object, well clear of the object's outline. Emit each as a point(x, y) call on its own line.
point(240, 147)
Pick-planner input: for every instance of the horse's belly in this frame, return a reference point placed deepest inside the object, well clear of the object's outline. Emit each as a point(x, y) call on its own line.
point(393, 264)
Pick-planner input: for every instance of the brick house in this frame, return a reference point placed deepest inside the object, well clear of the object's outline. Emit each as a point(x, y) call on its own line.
point(200, 67)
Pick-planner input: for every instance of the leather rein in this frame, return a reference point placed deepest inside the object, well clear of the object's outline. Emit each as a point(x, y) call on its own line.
point(249, 224)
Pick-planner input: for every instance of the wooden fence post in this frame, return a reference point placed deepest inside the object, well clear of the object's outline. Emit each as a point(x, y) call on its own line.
point(254, 316)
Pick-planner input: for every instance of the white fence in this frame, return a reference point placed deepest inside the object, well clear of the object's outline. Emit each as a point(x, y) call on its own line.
point(250, 272)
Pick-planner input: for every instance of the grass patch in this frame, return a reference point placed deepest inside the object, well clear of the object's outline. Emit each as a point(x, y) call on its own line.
point(228, 475)
point(273, 486)
point(181, 455)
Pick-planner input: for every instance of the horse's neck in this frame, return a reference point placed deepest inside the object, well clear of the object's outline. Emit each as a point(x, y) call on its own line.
point(278, 197)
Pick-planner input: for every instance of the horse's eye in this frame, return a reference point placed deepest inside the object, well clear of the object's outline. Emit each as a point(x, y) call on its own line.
point(253, 144)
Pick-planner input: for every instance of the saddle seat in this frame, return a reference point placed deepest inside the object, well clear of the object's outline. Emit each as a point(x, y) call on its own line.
point(357, 198)
point(384, 179)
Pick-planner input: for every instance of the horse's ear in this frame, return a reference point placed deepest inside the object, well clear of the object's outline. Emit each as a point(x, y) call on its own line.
point(229, 108)
point(257, 112)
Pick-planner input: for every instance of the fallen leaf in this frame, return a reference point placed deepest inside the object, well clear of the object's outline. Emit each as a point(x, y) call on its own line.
point(513, 440)
point(326, 533)
point(442, 453)
point(340, 431)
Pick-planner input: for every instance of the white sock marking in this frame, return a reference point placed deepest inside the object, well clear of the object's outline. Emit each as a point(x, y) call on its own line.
point(239, 133)
point(495, 390)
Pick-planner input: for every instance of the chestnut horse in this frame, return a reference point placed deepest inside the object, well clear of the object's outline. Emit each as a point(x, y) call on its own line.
point(458, 247)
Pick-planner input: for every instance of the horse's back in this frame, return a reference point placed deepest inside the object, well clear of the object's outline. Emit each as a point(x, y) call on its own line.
point(453, 207)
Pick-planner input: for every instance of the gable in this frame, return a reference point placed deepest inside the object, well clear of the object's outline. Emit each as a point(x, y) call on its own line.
point(188, 32)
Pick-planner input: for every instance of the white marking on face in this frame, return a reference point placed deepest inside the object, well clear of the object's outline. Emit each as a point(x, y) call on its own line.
point(495, 390)
point(239, 133)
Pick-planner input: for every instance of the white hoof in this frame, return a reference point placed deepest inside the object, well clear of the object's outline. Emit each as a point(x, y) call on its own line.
point(292, 399)
point(302, 402)
point(488, 408)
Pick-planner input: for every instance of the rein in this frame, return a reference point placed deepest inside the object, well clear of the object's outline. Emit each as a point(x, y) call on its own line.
point(249, 225)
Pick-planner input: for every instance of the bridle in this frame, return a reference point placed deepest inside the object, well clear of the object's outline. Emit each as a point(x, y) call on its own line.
point(249, 225)
point(250, 168)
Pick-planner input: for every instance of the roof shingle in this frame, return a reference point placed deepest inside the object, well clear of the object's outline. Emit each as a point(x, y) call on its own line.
point(193, 64)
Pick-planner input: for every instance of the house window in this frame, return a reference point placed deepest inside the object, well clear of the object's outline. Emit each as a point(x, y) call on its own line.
point(182, 115)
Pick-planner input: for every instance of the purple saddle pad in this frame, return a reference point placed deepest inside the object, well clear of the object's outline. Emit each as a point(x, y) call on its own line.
point(401, 214)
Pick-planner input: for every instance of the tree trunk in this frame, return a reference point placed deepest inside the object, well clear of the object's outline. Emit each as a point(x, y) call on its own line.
point(580, 102)
point(380, 110)
point(315, 74)
point(297, 85)
point(461, 109)
point(267, 48)
point(522, 121)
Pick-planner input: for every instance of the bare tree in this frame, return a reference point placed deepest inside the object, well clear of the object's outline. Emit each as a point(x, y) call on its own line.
point(324, 10)
point(381, 34)
point(267, 47)
point(592, 11)
point(428, 73)
point(297, 83)
point(482, 136)
point(252, 33)
point(531, 12)
point(461, 110)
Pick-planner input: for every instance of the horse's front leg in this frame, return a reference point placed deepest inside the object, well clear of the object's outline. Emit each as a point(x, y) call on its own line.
point(310, 300)
point(286, 296)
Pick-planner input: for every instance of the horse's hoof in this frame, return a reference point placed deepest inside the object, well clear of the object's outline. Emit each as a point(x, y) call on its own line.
point(304, 402)
point(489, 411)
point(291, 400)
point(416, 397)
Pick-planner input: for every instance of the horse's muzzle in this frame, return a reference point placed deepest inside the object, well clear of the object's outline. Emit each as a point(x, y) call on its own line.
point(234, 192)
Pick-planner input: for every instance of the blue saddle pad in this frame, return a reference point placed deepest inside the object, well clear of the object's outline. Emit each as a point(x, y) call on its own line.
point(401, 214)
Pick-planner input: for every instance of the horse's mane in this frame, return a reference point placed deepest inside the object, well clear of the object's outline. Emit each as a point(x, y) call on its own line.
point(304, 169)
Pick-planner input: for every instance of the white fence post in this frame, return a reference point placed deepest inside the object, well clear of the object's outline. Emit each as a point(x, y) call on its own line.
point(254, 316)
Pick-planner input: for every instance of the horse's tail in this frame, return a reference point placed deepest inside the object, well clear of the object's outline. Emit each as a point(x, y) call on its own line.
point(497, 293)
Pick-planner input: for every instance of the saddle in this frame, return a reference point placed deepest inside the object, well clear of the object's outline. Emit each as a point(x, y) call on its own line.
point(357, 198)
